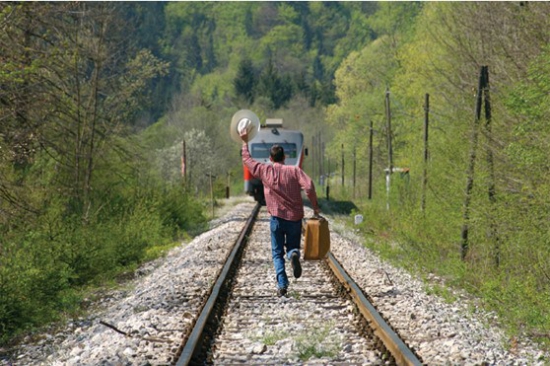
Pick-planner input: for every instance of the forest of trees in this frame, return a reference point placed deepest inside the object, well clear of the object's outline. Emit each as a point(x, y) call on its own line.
point(96, 99)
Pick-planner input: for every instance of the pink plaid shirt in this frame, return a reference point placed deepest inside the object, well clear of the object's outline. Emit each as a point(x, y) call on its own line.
point(282, 187)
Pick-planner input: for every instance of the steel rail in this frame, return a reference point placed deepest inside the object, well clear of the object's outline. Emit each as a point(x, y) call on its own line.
point(402, 354)
point(195, 338)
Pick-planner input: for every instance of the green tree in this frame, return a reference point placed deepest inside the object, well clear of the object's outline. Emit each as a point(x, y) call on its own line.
point(278, 89)
point(245, 81)
point(78, 200)
point(100, 90)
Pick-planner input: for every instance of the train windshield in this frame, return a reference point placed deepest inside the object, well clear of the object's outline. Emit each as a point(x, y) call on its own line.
point(261, 150)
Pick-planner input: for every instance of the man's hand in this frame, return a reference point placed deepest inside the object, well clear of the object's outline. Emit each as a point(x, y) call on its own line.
point(316, 211)
point(244, 135)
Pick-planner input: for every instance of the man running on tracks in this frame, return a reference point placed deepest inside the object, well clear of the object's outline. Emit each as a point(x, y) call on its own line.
point(282, 188)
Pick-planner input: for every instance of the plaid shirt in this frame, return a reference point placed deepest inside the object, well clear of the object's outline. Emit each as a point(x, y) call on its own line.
point(282, 187)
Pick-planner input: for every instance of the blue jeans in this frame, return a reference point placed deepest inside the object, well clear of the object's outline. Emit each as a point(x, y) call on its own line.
point(284, 235)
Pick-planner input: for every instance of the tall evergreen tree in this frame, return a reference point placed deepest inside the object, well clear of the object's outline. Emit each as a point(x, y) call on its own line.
point(278, 89)
point(318, 69)
point(246, 80)
point(282, 92)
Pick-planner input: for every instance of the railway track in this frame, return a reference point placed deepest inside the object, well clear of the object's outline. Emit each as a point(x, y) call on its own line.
point(149, 321)
point(325, 318)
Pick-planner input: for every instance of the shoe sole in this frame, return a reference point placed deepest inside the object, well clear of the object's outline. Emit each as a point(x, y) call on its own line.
point(296, 266)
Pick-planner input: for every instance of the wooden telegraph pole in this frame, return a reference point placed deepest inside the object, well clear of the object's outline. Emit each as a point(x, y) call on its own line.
point(470, 175)
point(183, 163)
point(388, 118)
point(354, 168)
point(328, 184)
point(320, 158)
point(227, 188)
point(390, 150)
point(370, 160)
point(425, 170)
point(481, 97)
point(211, 176)
point(313, 157)
point(490, 163)
point(342, 165)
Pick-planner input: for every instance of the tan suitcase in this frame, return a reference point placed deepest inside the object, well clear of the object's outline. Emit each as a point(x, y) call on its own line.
point(316, 238)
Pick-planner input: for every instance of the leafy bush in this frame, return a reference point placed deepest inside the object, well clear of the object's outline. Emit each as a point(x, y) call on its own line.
point(45, 263)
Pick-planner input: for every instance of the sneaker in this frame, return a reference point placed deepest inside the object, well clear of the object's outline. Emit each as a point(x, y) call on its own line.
point(296, 267)
point(281, 292)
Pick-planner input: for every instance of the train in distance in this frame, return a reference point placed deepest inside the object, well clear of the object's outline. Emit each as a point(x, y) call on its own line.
point(263, 137)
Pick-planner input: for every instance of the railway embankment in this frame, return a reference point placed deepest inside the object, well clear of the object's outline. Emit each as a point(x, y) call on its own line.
point(143, 322)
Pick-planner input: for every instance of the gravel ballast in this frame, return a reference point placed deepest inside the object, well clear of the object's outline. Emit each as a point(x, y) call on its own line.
point(442, 333)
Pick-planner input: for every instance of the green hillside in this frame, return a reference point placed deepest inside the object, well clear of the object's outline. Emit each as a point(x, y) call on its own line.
point(97, 100)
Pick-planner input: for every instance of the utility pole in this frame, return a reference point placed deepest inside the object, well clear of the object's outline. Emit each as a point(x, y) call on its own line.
point(183, 162)
point(320, 159)
point(228, 185)
point(211, 176)
point(464, 246)
point(389, 170)
point(322, 163)
point(328, 185)
point(490, 163)
point(425, 170)
point(354, 168)
point(370, 161)
point(342, 165)
point(313, 157)
point(388, 119)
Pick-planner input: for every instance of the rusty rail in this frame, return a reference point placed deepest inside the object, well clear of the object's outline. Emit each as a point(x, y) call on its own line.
point(402, 354)
point(193, 344)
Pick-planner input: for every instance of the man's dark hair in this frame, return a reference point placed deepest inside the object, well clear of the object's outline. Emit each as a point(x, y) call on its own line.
point(277, 153)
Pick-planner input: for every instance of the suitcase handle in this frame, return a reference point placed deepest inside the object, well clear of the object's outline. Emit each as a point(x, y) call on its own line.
point(317, 217)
